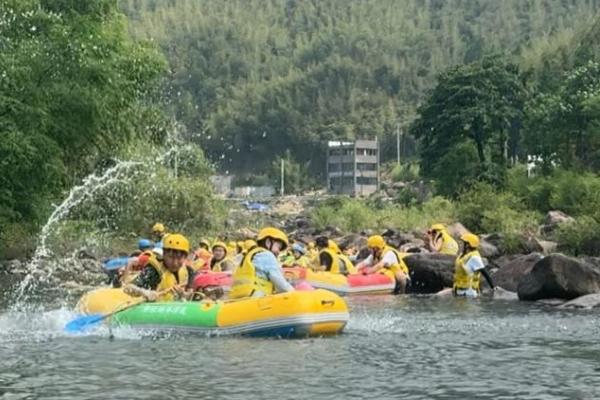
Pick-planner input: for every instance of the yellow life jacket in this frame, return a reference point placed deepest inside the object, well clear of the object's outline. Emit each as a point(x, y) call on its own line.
point(245, 280)
point(348, 266)
point(449, 245)
point(463, 280)
point(219, 265)
point(399, 266)
point(302, 261)
point(168, 279)
point(340, 264)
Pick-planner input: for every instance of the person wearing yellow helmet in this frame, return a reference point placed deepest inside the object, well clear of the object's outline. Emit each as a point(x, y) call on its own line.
point(386, 260)
point(165, 278)
point(440, 240)
point(219, 261)
point(260, 274)
point(468, 269)
point(331, 258)
point(158, 232)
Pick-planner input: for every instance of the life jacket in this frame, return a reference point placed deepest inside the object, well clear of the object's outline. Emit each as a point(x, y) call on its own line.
point(348, 266)
point(463, 280)
point(168, 279)
point(400, 264)
point(219, 266)
point(449, 245)
point(292, 261)
point(245, 280)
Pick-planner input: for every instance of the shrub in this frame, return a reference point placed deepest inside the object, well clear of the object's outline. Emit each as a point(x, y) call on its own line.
point(581, 237)
point(405, 172)
point(484, 209)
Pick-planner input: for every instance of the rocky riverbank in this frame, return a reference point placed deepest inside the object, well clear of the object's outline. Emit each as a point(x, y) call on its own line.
point(535, 273)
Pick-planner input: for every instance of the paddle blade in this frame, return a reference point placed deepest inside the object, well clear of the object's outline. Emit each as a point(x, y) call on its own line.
point(116, 263)
point(83, 323)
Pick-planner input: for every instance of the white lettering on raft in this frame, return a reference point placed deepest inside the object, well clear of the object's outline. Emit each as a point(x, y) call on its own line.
point(170, 309)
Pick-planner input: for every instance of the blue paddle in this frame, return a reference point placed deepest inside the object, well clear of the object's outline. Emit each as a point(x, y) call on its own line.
point(115, 263)
point(86, 322)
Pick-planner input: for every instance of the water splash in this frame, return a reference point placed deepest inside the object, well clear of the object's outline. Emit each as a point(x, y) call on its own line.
point(122, 172)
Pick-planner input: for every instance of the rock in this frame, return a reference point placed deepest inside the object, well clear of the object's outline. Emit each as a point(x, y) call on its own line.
point(353, 240)
point(557, 217)
point(302, 222)
point(551, 302)
point(245, 233)
point(408, 238)
point(388, 233)
point(505, 260)
point(548, 247)
point(559, 276)
point(502, 294)
point(553, 219)
point(414, 246)
point(457, 230)
point(430, 273)
point(588, 301)
point(488, 250)
point(11, 266)
point(508, 275)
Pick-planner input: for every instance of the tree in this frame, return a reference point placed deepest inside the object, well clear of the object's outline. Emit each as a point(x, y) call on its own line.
point(563, 126)
point(479, 103)
point(72, 87)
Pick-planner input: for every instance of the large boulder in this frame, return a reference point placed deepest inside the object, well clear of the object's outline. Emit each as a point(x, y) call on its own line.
point(559, 276)
point(429, 272)
point(510, 273)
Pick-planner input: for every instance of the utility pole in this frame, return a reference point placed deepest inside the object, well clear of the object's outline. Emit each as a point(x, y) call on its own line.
point(282, 177)
point(398, 143)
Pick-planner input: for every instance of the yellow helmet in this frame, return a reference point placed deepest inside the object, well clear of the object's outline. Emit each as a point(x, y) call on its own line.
point(248, 244)
point(273, 233)
point(438, 227)
point(220, 244)
point(176, 241)
point(311, 245)
point(205, 243)
point(470, 238)
point(158, 227)
point(376, 242)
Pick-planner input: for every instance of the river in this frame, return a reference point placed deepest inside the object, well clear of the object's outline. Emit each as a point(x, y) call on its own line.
point(393, 347)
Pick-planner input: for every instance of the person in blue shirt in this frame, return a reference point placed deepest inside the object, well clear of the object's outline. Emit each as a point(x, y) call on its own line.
point(260, 273)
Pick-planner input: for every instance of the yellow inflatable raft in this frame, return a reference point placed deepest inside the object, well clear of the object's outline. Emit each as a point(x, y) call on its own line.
point(294, 314)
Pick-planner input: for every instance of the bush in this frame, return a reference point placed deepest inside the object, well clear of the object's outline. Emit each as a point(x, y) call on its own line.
point(568, 191)
point(483, 209)
point(405, 172)
point(581, 237)
point(357, 215)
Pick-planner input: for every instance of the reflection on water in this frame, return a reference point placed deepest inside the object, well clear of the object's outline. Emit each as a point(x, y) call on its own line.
point(394, 347)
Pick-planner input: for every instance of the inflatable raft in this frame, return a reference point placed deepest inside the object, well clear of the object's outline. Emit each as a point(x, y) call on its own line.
point(341, 284)
point(294, 314)
point(208, 279)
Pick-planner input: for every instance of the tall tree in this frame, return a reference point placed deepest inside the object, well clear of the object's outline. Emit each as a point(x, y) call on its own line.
point(478, 105)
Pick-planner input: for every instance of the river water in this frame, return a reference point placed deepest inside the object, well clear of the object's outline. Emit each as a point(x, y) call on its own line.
point(393, 347)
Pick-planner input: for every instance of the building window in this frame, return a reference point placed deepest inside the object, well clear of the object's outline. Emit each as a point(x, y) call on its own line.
point(362, 180)
point(366, 166)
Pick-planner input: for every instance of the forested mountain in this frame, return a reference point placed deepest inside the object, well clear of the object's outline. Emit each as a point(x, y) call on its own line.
point(252, 78)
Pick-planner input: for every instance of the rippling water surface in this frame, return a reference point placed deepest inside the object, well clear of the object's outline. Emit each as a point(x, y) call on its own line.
point(393, 347)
